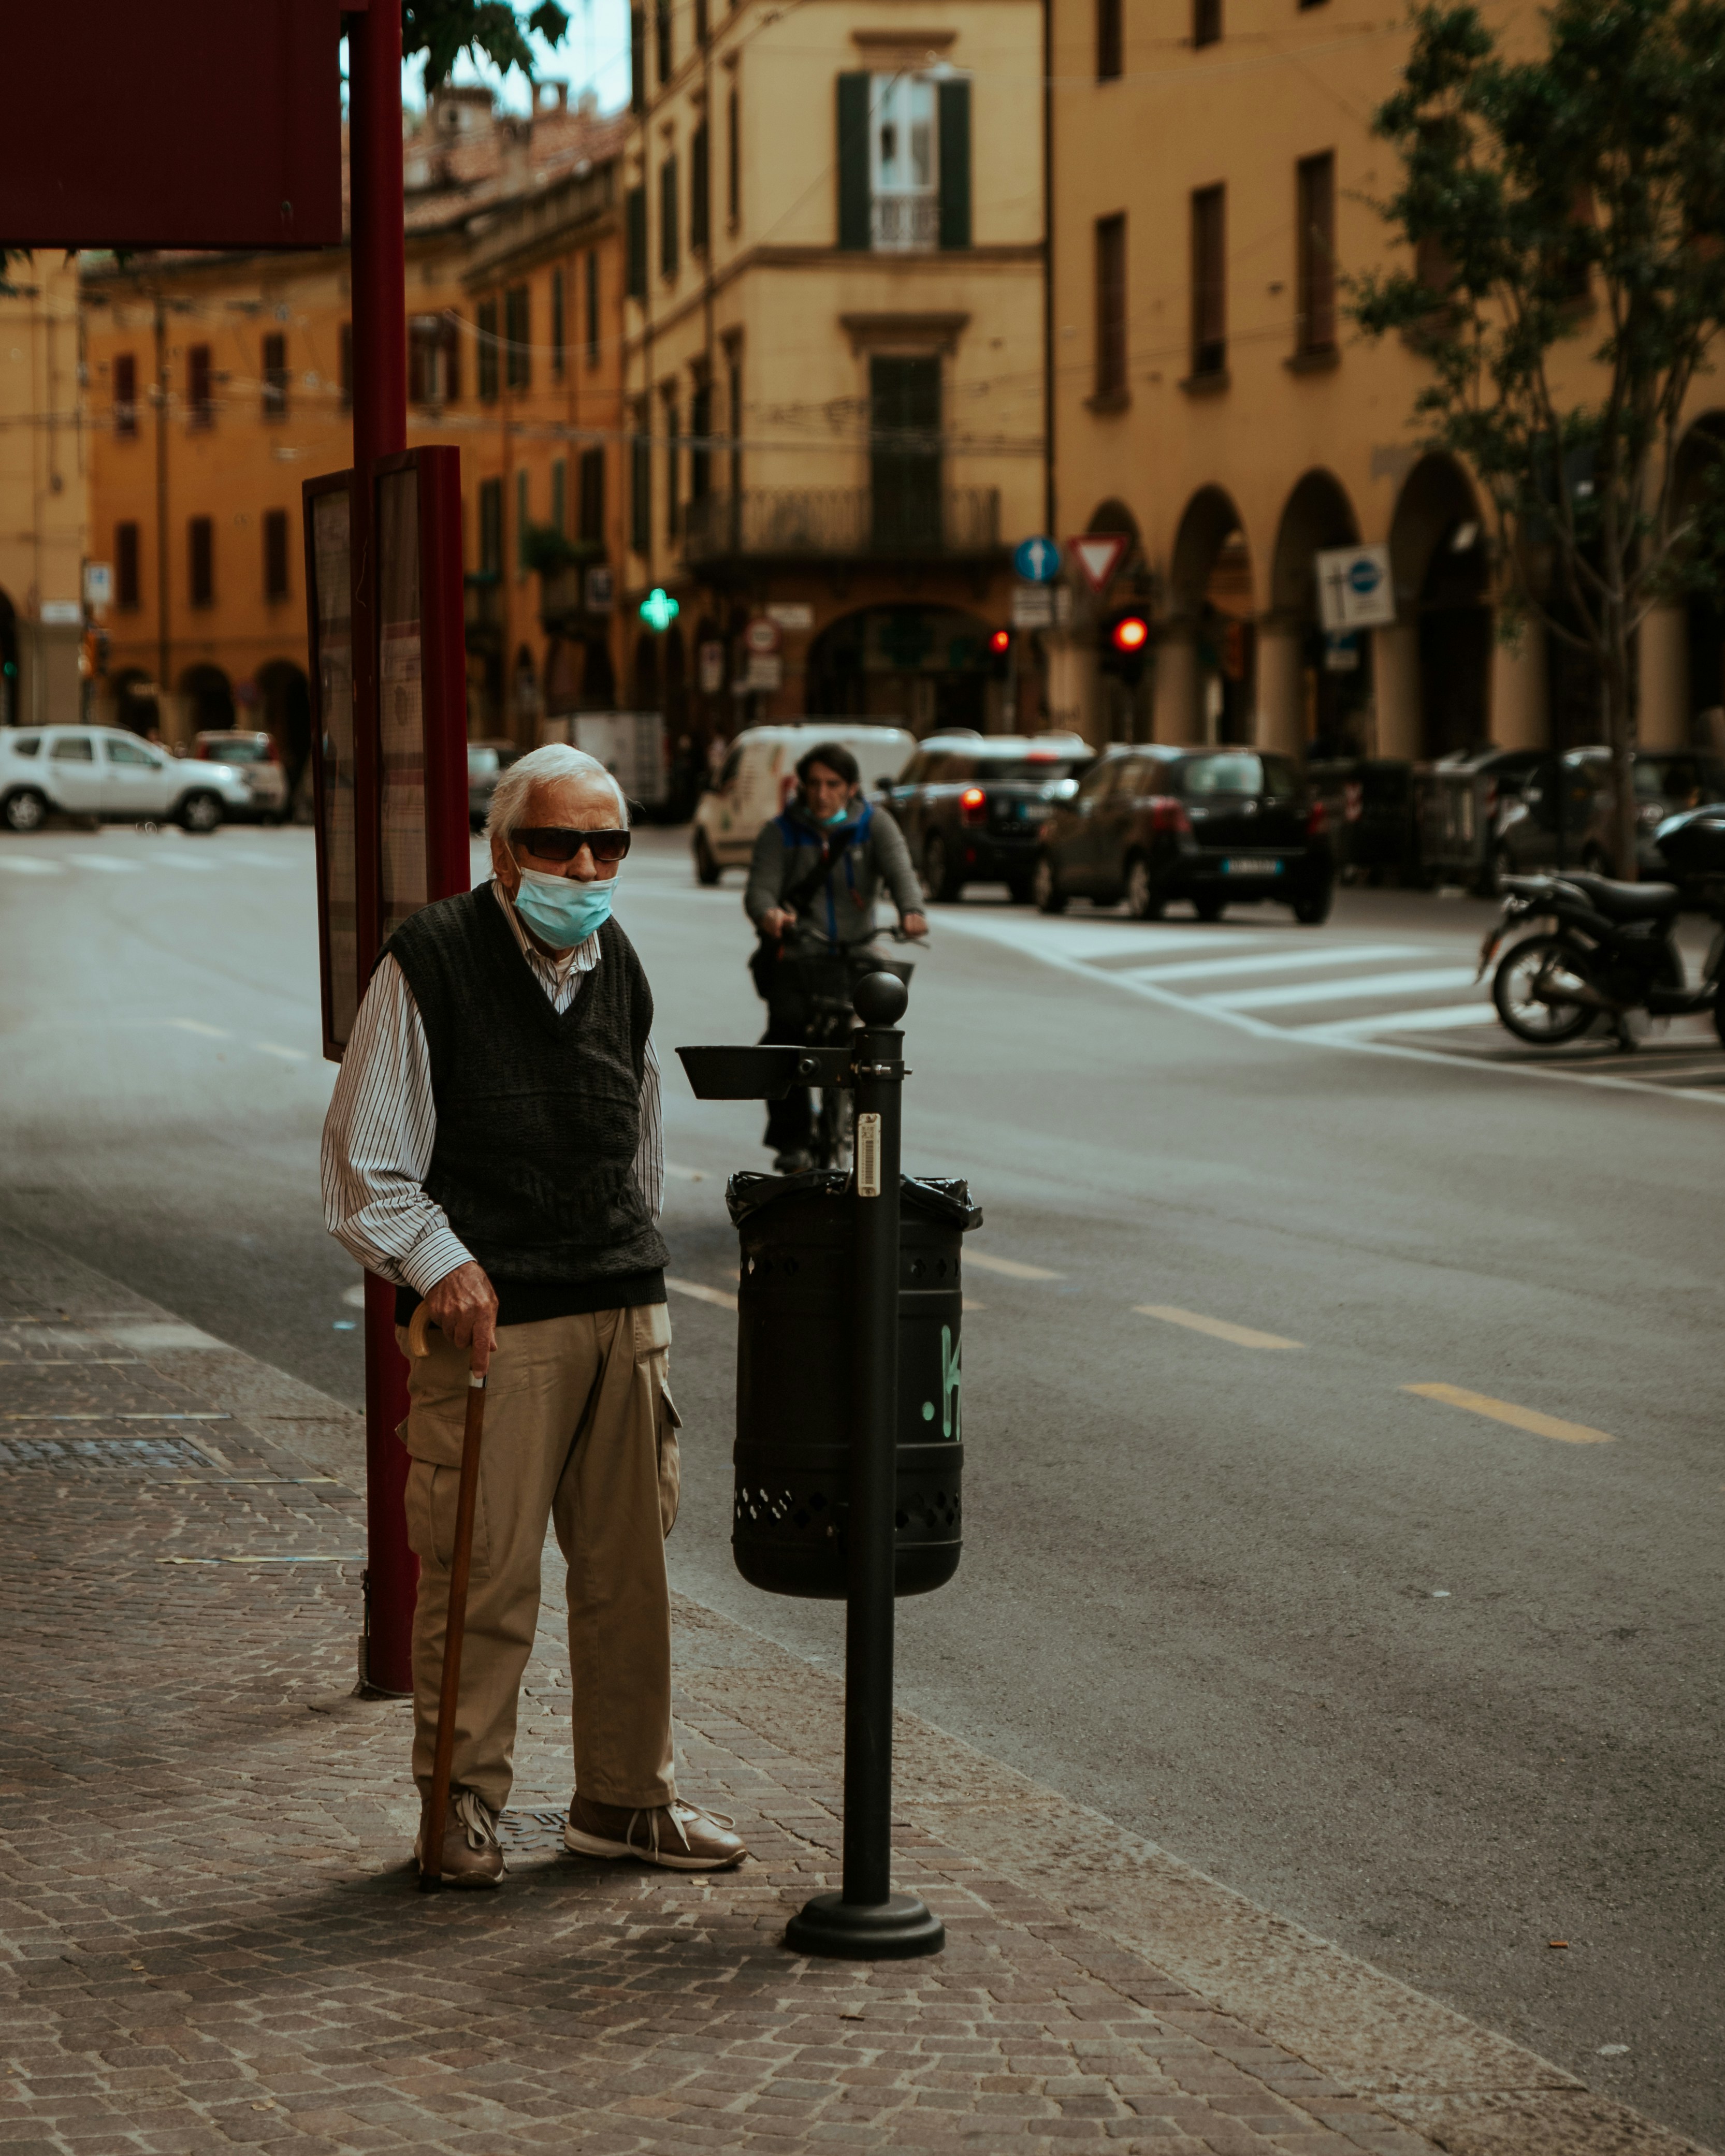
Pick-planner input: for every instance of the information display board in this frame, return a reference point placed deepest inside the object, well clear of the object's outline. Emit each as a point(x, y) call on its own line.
point(328, 584)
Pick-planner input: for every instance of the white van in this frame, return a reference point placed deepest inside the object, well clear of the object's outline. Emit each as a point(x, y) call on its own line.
point(761, 772)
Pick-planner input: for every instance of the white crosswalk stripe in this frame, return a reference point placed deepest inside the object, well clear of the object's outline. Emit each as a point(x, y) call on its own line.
point(1286, 994)
point(1267, 961)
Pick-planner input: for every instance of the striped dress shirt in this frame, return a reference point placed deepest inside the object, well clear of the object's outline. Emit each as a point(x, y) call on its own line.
point(378, 1136)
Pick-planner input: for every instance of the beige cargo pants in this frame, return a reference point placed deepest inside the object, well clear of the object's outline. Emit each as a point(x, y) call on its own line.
point(579, 1429)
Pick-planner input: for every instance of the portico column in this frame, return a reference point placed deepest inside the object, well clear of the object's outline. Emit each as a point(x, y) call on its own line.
point(1662, 664)
point(1520, 714)
point(1279, 716)
point(1174, 713)
point(1395, 680)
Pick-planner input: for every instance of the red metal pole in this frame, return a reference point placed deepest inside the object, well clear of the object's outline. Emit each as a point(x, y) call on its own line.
point(380, 429)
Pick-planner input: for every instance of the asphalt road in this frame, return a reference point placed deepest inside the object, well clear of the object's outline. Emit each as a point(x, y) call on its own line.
point(1443, 1686)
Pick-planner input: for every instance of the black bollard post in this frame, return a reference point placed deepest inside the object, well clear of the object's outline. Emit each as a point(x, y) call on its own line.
point(867, 1921)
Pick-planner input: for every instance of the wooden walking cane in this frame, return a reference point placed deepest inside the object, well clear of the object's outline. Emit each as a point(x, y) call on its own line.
point(431, 1864)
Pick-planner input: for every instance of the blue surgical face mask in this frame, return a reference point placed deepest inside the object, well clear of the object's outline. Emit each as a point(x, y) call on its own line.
point(838, 815)
point(562, 911)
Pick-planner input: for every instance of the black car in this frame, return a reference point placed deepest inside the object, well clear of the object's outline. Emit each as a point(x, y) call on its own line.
point(972, 806)
point(1216, 826)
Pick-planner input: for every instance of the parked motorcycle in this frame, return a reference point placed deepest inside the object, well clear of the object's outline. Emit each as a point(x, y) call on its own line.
point(1600, 952)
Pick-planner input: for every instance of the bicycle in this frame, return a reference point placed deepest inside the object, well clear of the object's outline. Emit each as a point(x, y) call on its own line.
point(827, 980)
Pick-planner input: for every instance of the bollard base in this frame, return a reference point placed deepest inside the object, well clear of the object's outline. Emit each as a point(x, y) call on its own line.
point(896, 1929)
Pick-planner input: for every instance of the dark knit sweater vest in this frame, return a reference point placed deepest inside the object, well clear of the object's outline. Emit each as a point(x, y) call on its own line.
point(538, 1112)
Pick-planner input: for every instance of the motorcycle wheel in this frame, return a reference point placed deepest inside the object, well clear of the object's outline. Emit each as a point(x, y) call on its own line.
point(1521, 971)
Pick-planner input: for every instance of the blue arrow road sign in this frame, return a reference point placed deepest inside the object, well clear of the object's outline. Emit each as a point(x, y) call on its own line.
point(1037, 560)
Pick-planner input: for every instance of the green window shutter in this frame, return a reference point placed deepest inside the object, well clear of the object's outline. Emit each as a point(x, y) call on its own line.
point(853, 230)
point(635, 216)
point(954, 113)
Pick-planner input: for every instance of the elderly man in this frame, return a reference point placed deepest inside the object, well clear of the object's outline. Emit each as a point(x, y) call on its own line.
point(494, 1147)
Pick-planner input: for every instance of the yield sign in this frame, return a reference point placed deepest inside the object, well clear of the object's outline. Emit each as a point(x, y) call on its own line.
point(1098, 555)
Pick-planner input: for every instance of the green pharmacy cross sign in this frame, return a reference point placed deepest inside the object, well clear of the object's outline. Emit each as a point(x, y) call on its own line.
point(659, 610)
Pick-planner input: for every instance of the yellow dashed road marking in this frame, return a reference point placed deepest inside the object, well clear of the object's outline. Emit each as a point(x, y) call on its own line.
point(1242, 1335)
point(1542, 1425)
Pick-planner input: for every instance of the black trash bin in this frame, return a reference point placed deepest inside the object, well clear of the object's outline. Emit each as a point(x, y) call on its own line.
point(793, 1382)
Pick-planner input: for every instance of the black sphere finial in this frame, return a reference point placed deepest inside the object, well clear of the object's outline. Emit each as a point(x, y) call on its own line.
point(880, 999)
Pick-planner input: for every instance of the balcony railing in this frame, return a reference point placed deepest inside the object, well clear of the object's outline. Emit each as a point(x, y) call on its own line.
point(843, 523)
point(906, 221)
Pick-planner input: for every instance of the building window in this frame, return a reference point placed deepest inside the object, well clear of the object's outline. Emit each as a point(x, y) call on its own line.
point(673, 464)
point(634, 215)
point(517, 319)
point(903, 163)
point(557, 325)
point(905, 453)
point(1316, 192)
point(344, 365)
point(522, 522)
point(668, 197)
point(1110, 39)
point(701, 456)
point(125, 395)
point(127, 589)
point(1110, 309)
point(276, 376)
point(592, 306)
point(1209, 281)
point(1206, 21)
point(592, 507)
point(200, 400)
point(640, 487)
point(699, 183)
point(637, 60)
point(201, 551)
point(733, 158)
point(487, 318)
point(662, 35)
point(275, 553)
point(434, 361)
point(701, 31)
point(492, 527)
point(560, 496)
point(735, 427)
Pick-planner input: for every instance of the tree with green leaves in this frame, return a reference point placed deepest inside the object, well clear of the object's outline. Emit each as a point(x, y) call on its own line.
point(489, 29)
point(1566, 217)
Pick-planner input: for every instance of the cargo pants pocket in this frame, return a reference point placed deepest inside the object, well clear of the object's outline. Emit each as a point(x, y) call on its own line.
point(653, 1335)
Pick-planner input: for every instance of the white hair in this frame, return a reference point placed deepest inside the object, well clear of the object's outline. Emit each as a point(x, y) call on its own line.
point(556, 760)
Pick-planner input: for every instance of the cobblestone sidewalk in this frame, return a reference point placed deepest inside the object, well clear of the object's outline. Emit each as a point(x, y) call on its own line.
point(213, 1940)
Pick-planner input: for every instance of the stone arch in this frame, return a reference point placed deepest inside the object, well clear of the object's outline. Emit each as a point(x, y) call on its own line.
point(1434, 671)
point(1206, 655)
point(209, 696)
point(284, 695)
point(135, 704)
point(1312, 696)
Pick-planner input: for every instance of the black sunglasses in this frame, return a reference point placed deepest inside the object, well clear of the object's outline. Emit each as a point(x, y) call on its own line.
point(553, 842)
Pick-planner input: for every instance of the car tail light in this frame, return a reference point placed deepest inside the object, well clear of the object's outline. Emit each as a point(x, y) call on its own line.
point(272, 750)
point(1491, 798)
point(1315, 820)
point(1168, 814)
point(973, 805)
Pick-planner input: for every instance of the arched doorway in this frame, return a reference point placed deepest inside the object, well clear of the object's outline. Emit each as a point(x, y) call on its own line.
point(135, 704)
point(1315, 691)
point(8, 663)
point(646, 696)
point(1440, 567)
point(923, 667)
point(209, 696)
point(1702, 690)
point(1211, 601)
point(284, 701)
point(525, 698)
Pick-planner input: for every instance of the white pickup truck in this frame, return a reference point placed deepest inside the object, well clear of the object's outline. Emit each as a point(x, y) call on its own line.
point(109, 773)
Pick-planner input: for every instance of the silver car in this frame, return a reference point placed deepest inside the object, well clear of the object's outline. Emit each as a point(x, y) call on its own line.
point(108, 773)
point(252, 753)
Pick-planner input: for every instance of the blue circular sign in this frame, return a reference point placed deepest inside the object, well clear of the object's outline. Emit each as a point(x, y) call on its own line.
point(1364, 576)
point(1037, 560)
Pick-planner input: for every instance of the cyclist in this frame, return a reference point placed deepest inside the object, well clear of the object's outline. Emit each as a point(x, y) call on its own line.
point(812, 887)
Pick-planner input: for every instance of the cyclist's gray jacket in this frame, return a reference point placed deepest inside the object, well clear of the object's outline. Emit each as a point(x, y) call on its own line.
point(867, 851)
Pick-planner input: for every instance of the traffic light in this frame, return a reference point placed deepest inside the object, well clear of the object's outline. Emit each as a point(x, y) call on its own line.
point(1000, 655)
point(1125, 644)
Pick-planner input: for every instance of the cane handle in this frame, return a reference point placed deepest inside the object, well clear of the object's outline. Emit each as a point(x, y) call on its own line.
point(418, 1325)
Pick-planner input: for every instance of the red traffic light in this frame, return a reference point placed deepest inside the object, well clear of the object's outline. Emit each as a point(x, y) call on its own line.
point(1130, 634)
point(1000, 641)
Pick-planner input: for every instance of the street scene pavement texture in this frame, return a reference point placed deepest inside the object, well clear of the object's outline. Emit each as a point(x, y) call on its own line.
point(214, 1937)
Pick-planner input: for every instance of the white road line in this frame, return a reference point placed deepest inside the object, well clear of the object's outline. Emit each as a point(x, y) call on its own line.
point(1329, 992)
point(702, 1293)
point(180, 861)
point(1278, 962)
point(197, 1025)
point(1010, 1266)
point(105, 862)
point(26, 865)
point(287, 1054)
point(1065, 940)
point(1439, 1019)
point(1219, 1328)
point(251, 860)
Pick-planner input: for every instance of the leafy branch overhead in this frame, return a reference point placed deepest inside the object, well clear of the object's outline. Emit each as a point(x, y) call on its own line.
point(1564, 215)
point(485, 29)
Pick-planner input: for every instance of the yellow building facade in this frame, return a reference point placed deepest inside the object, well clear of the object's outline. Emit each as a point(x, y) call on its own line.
point(1213, 171)
point(836, 273)
point(44, 502)
point(216, 384)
